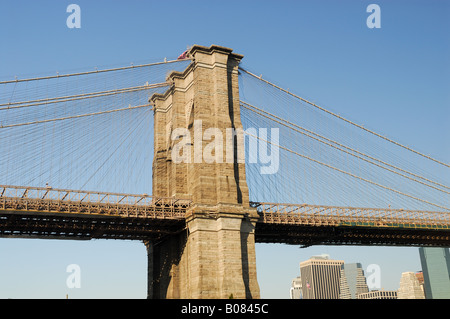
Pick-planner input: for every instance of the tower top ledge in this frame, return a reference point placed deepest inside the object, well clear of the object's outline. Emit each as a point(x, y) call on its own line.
point(213, 49)
point(199, 54)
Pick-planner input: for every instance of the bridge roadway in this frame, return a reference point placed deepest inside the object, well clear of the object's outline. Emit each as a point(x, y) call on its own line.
point(44, 212)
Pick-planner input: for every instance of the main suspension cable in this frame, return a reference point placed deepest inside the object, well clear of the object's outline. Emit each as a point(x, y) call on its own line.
point(68, 98)
point(75, 116)
point(91, 72)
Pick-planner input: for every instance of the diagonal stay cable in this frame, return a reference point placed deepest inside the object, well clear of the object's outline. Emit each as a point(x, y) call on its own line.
point(113, 152)
point(344, 119)
point(75, 116)
point(348, 173)
point(317, 137)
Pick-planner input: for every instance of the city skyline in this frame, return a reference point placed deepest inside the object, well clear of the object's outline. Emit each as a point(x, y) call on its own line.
point(393, 79)
point(353, 281)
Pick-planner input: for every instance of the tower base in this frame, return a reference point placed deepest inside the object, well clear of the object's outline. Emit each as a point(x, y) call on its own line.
point(214, 258)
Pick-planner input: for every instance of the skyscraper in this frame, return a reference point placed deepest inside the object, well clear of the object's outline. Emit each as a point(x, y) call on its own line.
point(296, 289)
point(410, 287)
point(419, 276)
point(320, 277)
point(352, 281)
point(436, 272)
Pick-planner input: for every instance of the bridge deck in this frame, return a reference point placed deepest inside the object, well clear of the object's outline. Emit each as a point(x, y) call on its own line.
point(303, 214)
point(313, 225)
point(58, 213)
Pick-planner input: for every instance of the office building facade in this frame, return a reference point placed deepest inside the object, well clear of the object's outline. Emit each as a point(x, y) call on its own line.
point(320, 277)
point(410, 287)
point(352, 281)
point(436, 272)
point(378, 294)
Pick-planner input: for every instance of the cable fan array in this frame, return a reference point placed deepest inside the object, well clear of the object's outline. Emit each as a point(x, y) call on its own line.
point(89, 130)
point(325, 159)
point(94, 131)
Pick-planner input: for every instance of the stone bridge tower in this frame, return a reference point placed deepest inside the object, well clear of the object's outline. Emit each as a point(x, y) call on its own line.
point(214, 257)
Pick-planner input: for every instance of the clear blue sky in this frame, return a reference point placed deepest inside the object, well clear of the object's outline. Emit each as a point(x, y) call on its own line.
point(394, 80)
